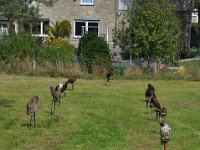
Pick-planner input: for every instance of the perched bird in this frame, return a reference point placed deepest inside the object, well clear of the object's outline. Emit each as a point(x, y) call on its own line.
point(162, 114)
point(165, 132)
point(55, 98)
point(32, 108)
point(151, 88)
point(150, 92)
point(109, 74)
point(64, 87)
point(58, 87)
point(155, 105)
point(71, 81)
point(61, 88)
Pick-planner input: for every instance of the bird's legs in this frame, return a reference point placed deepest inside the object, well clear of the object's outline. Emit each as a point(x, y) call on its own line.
point(31, 121)
point(52, 107)
point(34, 120)
point(147, 101)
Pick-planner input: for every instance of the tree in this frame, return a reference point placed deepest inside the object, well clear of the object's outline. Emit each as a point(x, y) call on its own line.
point(93, 51)
point(22, 12)
point(153, 26)
point(60, 28)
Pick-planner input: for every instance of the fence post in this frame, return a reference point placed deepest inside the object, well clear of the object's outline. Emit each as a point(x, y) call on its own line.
point(165, 146)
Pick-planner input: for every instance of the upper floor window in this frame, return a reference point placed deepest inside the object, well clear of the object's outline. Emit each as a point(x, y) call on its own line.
point(86, 2)
point(125, 4)
point(83, 26)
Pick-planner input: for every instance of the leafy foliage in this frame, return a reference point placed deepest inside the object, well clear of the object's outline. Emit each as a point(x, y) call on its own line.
point(151, 25)
point(22, 11)
point(93, 51)
point(60, 28)
point(57, 50)
point(17, 48)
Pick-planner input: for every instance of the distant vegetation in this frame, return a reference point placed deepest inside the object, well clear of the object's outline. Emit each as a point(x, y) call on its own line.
point(24, 53)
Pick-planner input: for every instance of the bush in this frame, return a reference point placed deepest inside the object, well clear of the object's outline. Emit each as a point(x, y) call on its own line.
point(18, 53)
point(57, 51)
point(17, 48)
point(93, 52)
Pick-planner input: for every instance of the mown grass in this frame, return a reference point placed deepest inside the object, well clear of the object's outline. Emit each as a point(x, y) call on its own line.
point(97, 115)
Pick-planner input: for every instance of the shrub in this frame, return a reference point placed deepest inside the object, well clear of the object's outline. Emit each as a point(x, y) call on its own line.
point(93, 51)
point(18, 52)
point(60, 29)
point(57, 51)
point(17, 48)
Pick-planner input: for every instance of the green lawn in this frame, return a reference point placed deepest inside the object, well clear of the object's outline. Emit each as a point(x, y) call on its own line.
point(98, 116)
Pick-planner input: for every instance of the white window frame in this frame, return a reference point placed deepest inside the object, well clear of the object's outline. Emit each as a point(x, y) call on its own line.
point(3, 29)
point(84, 3)
point(86, 26)
point(124, 4)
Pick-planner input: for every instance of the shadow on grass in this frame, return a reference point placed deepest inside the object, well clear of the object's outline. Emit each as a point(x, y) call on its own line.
point(155, 131)
point(48, 112)
point(25, 125)
point(6, 103)
point(30, 127)
point(152, 119)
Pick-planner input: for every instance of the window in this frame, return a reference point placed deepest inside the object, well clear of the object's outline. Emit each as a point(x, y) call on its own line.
point(125, 4)
point(86, 2)
point(3, 29)
point(81, 27)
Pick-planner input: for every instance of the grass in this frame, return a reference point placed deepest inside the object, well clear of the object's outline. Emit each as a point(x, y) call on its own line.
point(97, 115)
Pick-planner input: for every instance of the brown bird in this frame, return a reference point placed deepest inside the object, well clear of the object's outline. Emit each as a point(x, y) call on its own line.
point(162, 114)
point(32, 108)
point(61, 88)
point(149, 92)
point(55, 99)
point(71, 81)
point(109, 74)
point(155, 104)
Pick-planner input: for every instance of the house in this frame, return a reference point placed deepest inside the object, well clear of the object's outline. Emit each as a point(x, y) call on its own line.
point(98, 16)
point(102, 16)
point(183, 8)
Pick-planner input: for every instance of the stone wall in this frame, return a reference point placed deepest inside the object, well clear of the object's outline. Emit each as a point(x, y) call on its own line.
point(102, 10)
